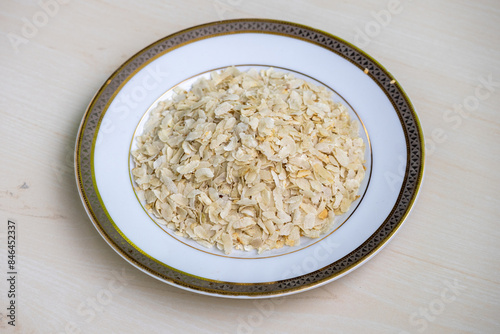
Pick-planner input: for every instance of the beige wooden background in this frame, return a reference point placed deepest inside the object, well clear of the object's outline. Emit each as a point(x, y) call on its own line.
point(439, 275)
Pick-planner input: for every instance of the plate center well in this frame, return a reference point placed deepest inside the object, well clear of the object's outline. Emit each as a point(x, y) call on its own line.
point(239, 254)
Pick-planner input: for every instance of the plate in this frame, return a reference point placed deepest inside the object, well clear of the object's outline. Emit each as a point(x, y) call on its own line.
point(390, 126)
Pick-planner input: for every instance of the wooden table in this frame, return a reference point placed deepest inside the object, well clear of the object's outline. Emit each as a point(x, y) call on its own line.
point(440, 274)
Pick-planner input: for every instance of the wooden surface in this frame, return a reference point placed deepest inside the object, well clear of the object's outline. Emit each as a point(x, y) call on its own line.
point(440, 274)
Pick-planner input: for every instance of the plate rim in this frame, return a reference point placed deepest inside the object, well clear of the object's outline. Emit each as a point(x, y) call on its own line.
point(247, 294)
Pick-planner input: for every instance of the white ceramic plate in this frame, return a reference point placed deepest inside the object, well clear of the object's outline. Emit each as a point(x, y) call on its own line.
point(394, 156)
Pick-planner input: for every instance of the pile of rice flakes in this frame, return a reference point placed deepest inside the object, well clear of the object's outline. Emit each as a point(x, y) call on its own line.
point(249, 160)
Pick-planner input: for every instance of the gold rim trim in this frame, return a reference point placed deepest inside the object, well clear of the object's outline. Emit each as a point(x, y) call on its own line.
point(283, 291)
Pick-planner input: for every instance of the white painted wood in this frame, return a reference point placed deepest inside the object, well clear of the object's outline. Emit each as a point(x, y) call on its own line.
point(440, 51)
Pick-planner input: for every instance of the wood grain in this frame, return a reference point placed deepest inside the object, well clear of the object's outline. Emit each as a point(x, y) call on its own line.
point(440, 51)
